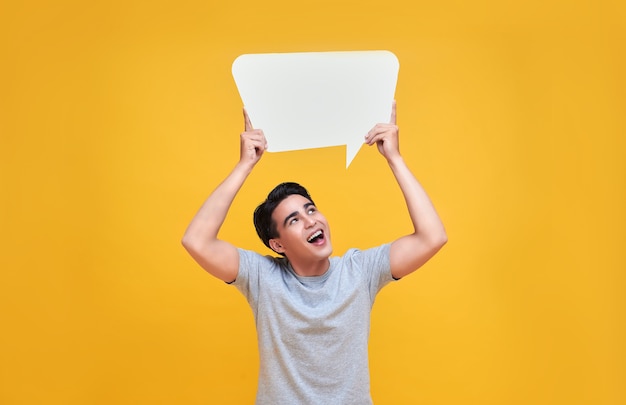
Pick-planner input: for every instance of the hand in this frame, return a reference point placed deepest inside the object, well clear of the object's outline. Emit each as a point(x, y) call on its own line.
point(253, 143)
point(385, 136)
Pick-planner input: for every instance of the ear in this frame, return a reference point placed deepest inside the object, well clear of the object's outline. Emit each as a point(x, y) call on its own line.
point(276, 246)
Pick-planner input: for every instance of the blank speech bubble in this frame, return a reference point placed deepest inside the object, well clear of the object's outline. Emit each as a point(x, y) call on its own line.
point(317, 99)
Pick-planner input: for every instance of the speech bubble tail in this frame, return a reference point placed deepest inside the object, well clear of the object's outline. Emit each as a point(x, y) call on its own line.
point(351, 150)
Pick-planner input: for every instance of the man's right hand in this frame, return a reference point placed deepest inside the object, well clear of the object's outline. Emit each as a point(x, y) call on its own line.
point(253, 143)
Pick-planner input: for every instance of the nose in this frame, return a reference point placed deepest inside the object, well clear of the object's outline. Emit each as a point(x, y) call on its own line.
point(310, 221)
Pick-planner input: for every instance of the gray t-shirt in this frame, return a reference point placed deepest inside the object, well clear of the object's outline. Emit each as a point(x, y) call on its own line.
point(313, 331)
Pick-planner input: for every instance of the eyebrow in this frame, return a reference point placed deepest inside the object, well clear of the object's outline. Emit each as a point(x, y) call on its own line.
point(293, 214)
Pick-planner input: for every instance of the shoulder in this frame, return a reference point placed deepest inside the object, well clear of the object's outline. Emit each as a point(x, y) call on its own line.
point(370, 265)
point(256, 269)
point(360, 254)
point(251, 259)
point(366, 258)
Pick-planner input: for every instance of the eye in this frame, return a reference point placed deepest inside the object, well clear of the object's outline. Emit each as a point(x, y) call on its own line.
point(311, 210)
point(293, 221)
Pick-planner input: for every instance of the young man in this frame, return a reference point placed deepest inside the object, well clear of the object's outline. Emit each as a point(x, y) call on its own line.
point(312, 311)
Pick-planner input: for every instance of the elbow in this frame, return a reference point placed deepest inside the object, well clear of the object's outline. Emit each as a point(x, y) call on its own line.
point(437, 241)
point(199, 248)
point(185, 240)
point(189, 243)
point(443, 239)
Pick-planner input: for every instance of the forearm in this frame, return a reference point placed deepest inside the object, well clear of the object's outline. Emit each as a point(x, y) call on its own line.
point(219, 258)
point(207, 222)
point(409, 252)
point(412, 251)
point(426, 221)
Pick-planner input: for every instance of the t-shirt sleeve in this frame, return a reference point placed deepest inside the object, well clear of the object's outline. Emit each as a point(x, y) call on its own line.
point(375, 264)
point(248, 276)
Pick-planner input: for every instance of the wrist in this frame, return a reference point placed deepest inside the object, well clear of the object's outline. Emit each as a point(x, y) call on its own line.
point(395, 161)
point(243, 167)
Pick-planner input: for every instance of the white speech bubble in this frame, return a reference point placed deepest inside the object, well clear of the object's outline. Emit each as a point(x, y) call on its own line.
point(317, 99)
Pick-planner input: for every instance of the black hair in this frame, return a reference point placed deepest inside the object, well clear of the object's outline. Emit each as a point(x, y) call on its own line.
point(265, 226)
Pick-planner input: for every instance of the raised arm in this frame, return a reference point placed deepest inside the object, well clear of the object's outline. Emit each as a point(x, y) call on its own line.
point(218, 257)
point(409, 252)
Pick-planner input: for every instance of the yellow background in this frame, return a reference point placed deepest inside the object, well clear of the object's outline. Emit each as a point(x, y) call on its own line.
point(118, 118)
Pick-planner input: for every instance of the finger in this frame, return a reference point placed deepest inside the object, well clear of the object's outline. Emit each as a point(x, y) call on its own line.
point(374, 137)
point(253, 134)
point(393, 112)
point(371, 135)
point(379, 129)
point(246, 118)
point(258, 143)
point(372, 140)
point(256, 136)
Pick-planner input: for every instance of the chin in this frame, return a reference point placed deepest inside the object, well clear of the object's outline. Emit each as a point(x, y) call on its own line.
point(328, 250)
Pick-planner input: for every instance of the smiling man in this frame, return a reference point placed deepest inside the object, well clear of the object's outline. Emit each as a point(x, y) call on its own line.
point(289, 223)
point(312, 309)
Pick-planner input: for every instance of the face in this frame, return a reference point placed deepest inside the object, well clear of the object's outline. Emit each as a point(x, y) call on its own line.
point(303, 230)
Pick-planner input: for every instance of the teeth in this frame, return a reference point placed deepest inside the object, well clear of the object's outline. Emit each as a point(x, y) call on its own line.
point(315, 235)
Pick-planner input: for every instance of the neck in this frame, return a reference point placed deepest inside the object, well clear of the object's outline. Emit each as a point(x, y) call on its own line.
point(311, 269)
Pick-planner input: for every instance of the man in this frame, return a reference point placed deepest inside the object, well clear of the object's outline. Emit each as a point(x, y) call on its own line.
point(312, 311)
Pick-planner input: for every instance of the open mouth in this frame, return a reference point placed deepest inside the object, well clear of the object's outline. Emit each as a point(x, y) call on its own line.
point(316, 238)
